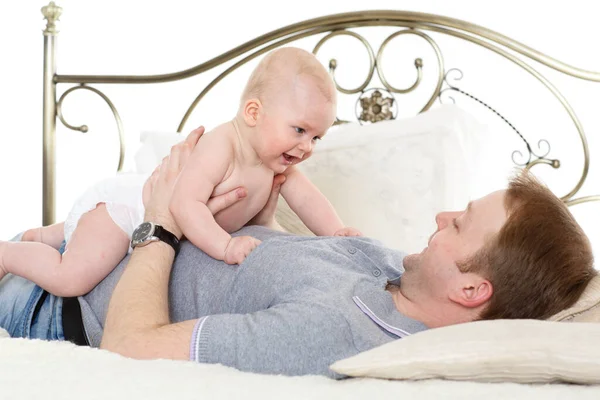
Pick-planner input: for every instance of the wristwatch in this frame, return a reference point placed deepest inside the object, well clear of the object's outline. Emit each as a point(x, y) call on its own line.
point(148, 232)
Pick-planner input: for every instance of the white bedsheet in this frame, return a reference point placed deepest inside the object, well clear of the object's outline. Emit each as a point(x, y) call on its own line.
point(34, 369)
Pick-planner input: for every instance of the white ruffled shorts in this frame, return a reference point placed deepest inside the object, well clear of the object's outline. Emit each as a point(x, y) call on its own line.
point(123, 198)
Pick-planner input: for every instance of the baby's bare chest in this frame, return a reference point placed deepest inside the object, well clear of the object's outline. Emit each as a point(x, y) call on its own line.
point(258, 182)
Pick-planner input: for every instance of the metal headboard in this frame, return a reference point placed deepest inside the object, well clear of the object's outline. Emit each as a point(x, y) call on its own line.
point(376, 104)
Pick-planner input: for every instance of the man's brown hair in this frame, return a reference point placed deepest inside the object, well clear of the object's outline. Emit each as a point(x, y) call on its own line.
point(540, 262)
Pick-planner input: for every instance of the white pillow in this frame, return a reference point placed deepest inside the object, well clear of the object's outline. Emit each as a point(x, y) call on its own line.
point(391, 178)
point(522, 351)
point(153, 147)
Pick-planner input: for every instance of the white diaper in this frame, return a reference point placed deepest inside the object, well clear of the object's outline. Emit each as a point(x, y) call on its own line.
point(123, 198)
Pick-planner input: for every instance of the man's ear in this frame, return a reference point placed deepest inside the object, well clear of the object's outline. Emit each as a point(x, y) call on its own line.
point(471, 290)
point(251, 111)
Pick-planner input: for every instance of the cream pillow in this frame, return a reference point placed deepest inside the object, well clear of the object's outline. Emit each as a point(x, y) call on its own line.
point(391, 178)
point(522, 351)
point(587, 308)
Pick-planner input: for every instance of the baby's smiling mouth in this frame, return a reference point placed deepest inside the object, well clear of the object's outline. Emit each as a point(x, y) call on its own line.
point(288, 158)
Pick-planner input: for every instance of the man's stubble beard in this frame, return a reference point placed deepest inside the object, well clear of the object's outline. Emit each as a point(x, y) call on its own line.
point(410, 262)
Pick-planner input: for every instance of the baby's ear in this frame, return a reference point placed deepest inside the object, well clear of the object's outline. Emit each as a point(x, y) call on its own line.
point(251, 111)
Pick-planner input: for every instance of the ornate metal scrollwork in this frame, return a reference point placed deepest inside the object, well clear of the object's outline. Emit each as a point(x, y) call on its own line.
point(539, 159)
point(511, 50)
point(84, 128)
point(333, 63)
point(376, 64)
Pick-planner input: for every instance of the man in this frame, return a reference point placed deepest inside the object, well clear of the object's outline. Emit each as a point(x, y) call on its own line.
point(298, 304)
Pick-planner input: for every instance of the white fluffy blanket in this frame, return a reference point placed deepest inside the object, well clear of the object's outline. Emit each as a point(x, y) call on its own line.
point(34, 369)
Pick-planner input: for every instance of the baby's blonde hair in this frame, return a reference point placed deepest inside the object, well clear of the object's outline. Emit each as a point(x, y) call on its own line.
point(286, 63)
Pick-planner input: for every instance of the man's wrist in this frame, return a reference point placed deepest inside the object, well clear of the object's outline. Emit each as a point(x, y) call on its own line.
point(165, 221)
point(156, 245)
point(149, 232)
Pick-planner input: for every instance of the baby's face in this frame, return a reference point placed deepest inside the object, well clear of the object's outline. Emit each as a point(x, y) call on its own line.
point(292, 124)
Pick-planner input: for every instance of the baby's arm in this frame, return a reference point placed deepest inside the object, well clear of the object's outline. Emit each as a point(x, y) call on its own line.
point(310, 204)
point(209, 164)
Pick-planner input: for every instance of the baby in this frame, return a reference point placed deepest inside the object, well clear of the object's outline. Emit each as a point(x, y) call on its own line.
point(288, 105)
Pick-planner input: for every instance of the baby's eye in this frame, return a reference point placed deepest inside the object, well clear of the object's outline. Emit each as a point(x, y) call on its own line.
point(299, 130)
point(316, 138)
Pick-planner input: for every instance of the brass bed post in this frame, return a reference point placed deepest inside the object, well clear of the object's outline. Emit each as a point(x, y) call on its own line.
point(51, 13)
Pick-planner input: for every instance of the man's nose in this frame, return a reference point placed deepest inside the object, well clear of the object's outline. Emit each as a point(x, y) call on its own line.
point(439, 221)
point(442, 219)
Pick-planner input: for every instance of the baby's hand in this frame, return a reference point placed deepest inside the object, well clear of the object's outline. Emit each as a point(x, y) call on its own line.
point(238, 249)
point(348, 231)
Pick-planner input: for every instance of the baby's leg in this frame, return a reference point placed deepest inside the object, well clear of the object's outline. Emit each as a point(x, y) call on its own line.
point(52, 235)
point(96, 247)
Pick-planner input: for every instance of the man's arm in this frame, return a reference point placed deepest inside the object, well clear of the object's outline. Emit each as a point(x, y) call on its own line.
point(137, 322)
point(294, 337)
point(307, 201)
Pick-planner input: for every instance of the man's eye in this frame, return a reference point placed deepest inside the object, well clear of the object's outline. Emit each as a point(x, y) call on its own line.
point(299, 130)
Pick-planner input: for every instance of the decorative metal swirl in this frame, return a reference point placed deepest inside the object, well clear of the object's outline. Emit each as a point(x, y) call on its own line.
point(418, 64)
point(582, 200)
point(84, 128)
point(527, 164)
point(333, 62)
point(545, 82)
point(376, 63)
point(542, 158)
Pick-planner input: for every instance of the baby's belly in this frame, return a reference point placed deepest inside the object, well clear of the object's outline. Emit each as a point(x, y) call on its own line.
point(235, 217)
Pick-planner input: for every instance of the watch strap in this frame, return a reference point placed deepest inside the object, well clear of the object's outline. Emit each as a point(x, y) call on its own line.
point(165, 236)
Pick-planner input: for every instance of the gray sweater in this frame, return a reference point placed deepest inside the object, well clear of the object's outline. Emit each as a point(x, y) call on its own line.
point(295, 306)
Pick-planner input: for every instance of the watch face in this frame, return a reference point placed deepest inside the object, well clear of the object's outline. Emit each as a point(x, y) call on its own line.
point(142, 232)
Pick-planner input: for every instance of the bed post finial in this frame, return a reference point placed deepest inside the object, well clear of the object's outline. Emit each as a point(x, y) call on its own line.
point(51, 14)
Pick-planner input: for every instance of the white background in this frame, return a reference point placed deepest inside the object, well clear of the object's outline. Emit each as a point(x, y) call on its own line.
point(152, 37)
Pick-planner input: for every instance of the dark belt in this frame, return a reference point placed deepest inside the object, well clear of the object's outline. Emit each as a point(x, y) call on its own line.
point(72, 322)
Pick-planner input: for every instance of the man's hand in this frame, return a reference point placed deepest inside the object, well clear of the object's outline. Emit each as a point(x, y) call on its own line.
point(238, 249)
point(159, 187)
point(348, 231)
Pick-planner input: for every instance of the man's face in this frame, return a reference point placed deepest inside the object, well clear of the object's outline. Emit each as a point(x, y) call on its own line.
point(433, 274)
point(293, 123)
